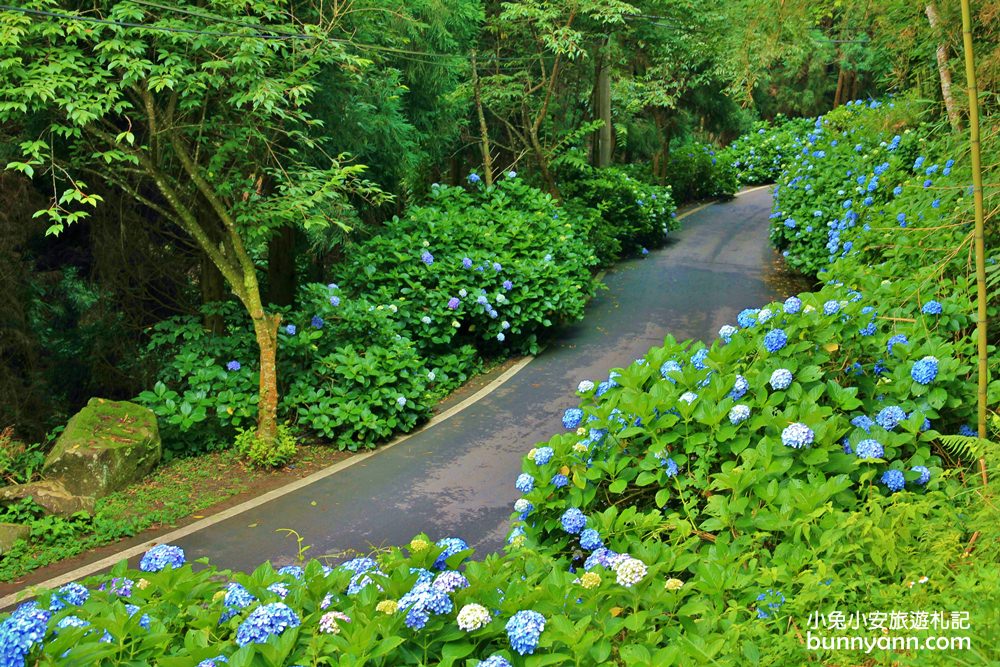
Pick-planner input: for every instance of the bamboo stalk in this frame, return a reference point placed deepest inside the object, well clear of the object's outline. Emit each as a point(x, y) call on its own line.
point(980, 244)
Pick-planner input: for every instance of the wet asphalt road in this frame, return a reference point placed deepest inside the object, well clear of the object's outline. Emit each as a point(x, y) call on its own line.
point(457, 478)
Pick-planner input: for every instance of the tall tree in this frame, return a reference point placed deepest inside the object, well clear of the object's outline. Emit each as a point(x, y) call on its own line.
point(200, 116)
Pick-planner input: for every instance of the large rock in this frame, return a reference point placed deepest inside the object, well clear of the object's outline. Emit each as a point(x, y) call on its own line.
point(11, 533)
point(105, 447)
point(51, 495)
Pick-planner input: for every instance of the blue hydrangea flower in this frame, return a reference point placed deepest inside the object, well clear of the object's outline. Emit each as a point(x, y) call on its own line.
point(727, 331)
point(688, 397)
point(793, 305)
point(495, 660)
point(894, 480)
point(898, 339)
point(508, 285)
point(925, 370)
point(771, 603)
point(925, 474)
point(72, 594)
point(781, 379)
point(572, 417)
point(514, 534)
point(671, 467)
point(525, 483)
point(559, 480)
point(543, 455)
point(466, 263)
point(524, 629)
point(831, 307)
point(450, 581)
point(775, 340)
point(863, 422)
point(295, 571)
point(233, 365)
point(889, 417)
point(739, 413)
point(968, 431)
point(523, 507)
point(453, 303)
point(869, 449)
point(214, 662)
point(601, 556)
point(161, 556)
point(317, 322)
point(747, 317)
point(797, 436)
point(474, 178)
point(451, 546)
point(266, 621)
point(291, 329)
point(590, 540)
point(20, 632)
point(698, 359)
point(573, 520)
point(422, 600)
point(605, 387)
point(359, 565)
point(118, 586)
point(932, 308)
point(740, 388)
point(237, 597)
point(669, 366)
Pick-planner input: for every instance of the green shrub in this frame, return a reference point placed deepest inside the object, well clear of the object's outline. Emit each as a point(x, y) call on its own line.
point(632, 215)
point(19, 462)
point(364, 358)
point(263, 454)
point(696, 171)
point(762, 154)
point(491, 267)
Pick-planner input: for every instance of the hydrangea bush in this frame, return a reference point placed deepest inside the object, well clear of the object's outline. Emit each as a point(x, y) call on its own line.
point(632, 215)
point(760, 155)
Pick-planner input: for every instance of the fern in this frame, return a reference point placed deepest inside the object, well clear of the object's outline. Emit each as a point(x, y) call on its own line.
point(966, 446)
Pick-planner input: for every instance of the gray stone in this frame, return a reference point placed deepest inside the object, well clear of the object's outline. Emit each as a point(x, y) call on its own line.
point(105, 447)
point(11, 533)
point(51, 495)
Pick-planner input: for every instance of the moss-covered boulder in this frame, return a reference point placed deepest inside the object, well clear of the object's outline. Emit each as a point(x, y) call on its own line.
point(51, 495)
point(10, 533)
point(105, 447)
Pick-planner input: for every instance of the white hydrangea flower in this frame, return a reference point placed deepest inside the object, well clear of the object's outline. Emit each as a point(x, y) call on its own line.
point(473, 616)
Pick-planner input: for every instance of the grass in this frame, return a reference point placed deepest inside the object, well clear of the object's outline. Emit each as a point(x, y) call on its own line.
point(176, 490)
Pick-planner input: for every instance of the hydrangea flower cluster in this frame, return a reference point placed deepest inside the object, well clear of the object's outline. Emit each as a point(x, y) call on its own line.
point(925, 370)
point(629, 571)
point(572, 418)
point(893, 480)
point(451, 546)
point(473, 617)
point(266, 621)
point(797, 436)
point(161, 556)
point(775, 340)
point(573, 520)
point(524, 630)
point(739, 413)
point(781, 379)
point(869, 449)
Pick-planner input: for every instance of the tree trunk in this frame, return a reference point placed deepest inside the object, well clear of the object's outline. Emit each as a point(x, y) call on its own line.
point(484, 135)
point(213, 289)
point(604, 107)
point(838, 96)
point(943, 70)
point(265, 328)
point(281, 278)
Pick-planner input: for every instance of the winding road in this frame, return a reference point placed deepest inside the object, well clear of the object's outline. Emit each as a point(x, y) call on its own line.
point(456, 478)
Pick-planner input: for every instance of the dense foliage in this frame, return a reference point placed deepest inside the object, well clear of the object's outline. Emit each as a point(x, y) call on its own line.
point(759, 156)
point(704, 505)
